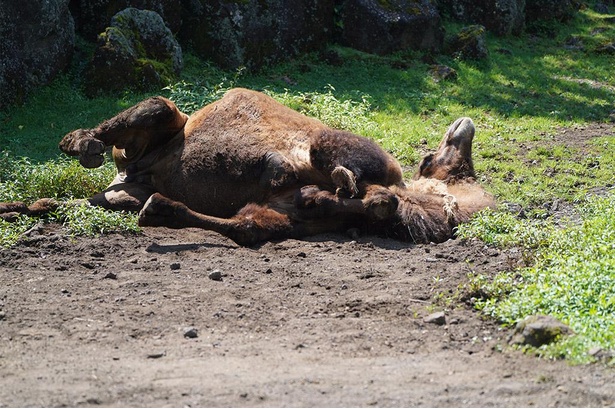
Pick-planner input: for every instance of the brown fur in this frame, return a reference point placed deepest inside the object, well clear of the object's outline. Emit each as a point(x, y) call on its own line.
point(252, 169)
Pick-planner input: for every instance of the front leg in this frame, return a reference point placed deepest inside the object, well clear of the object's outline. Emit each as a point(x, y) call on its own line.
point(135, 131)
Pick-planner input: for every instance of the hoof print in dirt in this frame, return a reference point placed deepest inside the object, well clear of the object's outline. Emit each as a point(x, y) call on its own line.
point(538, 330)
point(438, 318)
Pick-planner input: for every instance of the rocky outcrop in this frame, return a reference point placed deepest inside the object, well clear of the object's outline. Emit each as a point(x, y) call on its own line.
point(382, 27)
point(38, 38)
point(92, 17)
point(559, 10)
point(501, 17)
point(255, 32)
point(137, 51)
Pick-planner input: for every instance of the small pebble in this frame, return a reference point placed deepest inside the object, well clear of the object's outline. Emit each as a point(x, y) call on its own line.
point(215, 275)
point(191, 332)
point(175, 266)
point(111, 276)
point(437, 318)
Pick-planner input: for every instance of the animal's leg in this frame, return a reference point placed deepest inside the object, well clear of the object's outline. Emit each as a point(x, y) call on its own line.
point(123, 196)
point(453, 158)
point(345, 181)
point(10, 211)
point(378, 203)
point(252, 224)
point(148, 124)
point(350, 160)
point(278, 173)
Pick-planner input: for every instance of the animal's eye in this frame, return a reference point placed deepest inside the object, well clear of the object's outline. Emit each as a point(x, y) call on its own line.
point(426, 162)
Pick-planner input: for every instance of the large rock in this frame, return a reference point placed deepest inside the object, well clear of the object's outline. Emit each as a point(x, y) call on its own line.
point(255, 32)
point(382, 27)
point(38, 39)
point(560, 10)
point(501, 17)
point(92, 17)
point(137, 52)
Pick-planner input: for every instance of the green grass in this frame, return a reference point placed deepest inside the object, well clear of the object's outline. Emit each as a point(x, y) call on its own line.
point(572, 276)
point(530, 87)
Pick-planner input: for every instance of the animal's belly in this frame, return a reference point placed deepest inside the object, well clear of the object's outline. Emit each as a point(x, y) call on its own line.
point(214, 179)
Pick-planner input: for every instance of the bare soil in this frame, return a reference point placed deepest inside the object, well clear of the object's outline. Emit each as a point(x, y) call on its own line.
point(188, 318)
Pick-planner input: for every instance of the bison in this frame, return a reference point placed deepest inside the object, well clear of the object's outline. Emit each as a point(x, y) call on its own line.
point(254, 170)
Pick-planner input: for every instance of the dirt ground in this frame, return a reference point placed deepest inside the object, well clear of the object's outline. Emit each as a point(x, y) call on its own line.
point(188, 318)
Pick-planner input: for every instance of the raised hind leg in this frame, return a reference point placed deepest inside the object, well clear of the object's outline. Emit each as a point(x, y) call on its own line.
point(132, 133)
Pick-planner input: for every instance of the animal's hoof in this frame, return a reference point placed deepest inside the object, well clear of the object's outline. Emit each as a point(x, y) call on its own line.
point(157, 211)
point(43, 206)
point(382, 205)
point(345, 181)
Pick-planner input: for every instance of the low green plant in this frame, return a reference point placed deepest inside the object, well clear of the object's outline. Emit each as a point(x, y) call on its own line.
point(572, 277)
point(62, 179)
point(81, 219)
point(347, 114)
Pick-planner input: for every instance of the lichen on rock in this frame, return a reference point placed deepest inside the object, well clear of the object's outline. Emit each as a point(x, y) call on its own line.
point(137, 51)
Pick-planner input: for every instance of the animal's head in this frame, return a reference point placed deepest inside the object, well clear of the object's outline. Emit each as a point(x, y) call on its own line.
point(453, 158)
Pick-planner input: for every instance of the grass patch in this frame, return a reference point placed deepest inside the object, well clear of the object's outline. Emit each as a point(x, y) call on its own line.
point(572, 277)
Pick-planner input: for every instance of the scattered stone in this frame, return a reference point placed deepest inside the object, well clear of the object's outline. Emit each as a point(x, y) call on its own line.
point(175, 266)
point(601, 8)
point(156, 355)
point(215, 275)
point(269, 271)
point(608, 48)
point(111, 276)
point(2, 315)
point(601, 353)
point(191, 332)
point(438, 318)
point(537, 330)
point(442, 73)
point(302, 255)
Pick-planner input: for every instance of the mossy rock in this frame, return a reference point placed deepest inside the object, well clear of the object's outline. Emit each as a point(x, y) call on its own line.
point(470, 43)
point(538, 330)
point(386, 26)
point(136, 52)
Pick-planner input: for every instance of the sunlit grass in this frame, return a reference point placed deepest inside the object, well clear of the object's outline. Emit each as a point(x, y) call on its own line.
point(572, 277)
